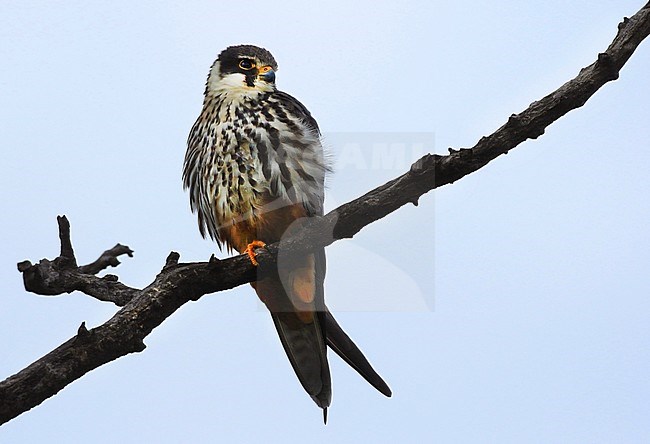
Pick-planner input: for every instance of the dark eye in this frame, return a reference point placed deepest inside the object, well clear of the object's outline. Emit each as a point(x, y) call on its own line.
point(246, 64)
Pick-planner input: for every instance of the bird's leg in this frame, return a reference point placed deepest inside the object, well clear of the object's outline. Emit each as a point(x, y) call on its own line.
point(250, 250)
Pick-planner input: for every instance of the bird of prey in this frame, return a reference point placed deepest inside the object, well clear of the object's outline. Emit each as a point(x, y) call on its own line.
point(255, 171)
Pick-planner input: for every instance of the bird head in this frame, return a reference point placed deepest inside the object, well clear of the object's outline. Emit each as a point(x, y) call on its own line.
point(242, 69)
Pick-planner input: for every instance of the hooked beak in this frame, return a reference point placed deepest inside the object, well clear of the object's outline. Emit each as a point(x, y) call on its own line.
point(266, 73)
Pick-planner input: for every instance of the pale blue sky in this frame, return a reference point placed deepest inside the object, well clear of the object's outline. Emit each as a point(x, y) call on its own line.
point(511, 306)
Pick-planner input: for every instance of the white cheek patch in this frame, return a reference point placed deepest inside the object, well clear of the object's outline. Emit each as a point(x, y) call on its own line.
point(235, 84)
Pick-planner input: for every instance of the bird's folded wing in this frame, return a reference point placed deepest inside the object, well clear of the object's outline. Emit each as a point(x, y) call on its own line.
point(341, 343)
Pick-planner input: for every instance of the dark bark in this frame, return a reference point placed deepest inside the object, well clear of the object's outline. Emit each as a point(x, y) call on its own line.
point(145, 309)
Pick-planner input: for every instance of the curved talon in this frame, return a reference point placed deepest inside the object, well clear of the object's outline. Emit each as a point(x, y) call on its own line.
point(250, 250)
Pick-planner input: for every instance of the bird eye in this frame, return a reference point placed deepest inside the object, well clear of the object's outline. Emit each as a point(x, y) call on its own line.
point(246, 64)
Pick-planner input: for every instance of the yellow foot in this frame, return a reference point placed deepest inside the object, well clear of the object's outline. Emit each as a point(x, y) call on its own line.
point(250, 250)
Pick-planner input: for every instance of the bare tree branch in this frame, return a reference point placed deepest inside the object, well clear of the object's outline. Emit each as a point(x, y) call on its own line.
point(109, 258)
point(177, 283)
point(63, 276)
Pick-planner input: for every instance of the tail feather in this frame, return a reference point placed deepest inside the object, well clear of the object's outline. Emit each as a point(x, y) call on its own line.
point(341, 343)
point(307, 352)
